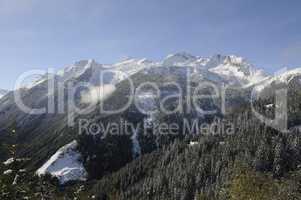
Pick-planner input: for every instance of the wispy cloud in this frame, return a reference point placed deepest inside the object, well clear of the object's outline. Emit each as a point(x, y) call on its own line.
point(96, 94)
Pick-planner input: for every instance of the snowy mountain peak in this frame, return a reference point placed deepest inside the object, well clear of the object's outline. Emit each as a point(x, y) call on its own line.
point(232, 59)
point(78, 68)
point(131, 66)
point(133, 61)
point(219, 59)
point(183, 55)
point(84, 63)
point(179, 59)
point(235, 69)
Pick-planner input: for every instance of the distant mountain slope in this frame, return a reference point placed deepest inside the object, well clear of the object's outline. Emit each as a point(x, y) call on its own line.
point(3, 92)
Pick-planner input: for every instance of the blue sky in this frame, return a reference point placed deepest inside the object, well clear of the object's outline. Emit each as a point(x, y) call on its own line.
point(39, 34)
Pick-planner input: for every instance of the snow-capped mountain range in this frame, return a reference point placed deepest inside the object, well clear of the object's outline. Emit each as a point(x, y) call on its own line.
point(232, 70)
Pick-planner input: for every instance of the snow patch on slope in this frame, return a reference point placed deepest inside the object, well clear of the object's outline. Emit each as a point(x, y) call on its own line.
point(65, 165)
point(8, 161)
